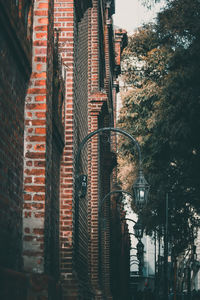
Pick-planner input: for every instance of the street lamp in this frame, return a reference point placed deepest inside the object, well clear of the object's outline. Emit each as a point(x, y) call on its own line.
point(141, 187)
point(141, 190)
point(138, 230)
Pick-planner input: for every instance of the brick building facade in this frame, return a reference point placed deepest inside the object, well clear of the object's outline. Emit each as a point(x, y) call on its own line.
point(59, 65)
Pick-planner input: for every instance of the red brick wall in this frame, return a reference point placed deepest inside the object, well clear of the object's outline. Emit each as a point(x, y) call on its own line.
point(80, 131)
point(98, 171)
point(82, 101)
point(38, 140)
point(81, 56)
point(64, 21)
point(96, 100)
point(100, 112)
point(72, 20)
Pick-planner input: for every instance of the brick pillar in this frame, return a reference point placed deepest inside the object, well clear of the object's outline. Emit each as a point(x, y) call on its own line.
point(93, 209)
point(96, 101)
point(71, 20)
point(114, 146)
point(95, 107)
point(64, 21)
point(37, 139)
point(107, 54)
point(94, 48)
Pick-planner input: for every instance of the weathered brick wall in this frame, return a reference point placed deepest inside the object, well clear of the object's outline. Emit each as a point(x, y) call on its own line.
point(84, 107)
point(80, 131)
point(94, 195)
point(15, 51)
point(76, 48)
point(71, 19)
point(102, 113)
point(57, 139)
point(99, 168)
point(64, 21)
point(96, 99)
point(107, 162)
point(38, 141)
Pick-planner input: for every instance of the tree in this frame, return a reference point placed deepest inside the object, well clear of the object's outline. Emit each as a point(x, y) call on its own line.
point(161, 109)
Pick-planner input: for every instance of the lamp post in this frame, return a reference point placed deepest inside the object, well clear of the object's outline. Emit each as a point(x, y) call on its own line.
point(140, 187)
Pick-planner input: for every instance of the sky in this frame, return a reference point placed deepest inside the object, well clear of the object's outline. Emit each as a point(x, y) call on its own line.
point(130, 14)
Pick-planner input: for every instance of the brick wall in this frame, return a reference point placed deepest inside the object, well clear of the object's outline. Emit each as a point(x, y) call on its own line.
point(82, 53)
point(72, 20)
point(80, 131)
point(38, 141)
point(64, 21)
point(96, 100)
point(15, 51)
point(67, 98)
point(58, 109)
point(100, 161)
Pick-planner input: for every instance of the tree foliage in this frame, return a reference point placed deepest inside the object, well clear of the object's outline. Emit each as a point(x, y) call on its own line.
point(161, 66)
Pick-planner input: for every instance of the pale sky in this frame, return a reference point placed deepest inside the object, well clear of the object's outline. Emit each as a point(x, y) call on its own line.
point(130, 14)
